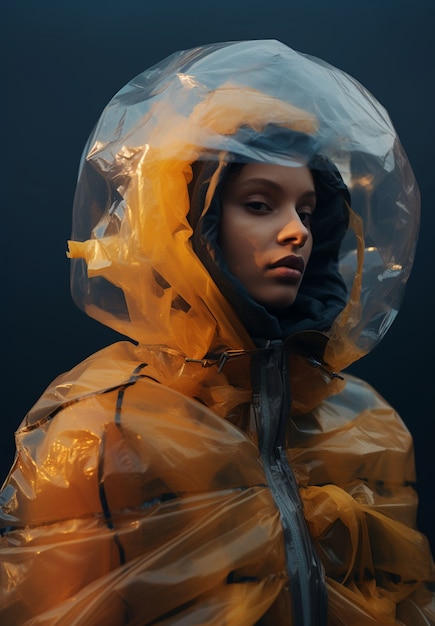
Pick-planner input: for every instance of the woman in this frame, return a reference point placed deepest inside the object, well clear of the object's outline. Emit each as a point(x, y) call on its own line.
point(221, 469)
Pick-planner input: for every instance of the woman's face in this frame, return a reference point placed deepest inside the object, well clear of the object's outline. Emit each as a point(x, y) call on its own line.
point(265, 230)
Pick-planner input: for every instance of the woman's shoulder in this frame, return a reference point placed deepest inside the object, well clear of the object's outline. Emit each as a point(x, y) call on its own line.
point(353, 435)
point(109, 368)
point(357, 400)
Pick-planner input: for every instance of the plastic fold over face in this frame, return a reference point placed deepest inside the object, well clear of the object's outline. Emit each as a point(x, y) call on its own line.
point(134, 267)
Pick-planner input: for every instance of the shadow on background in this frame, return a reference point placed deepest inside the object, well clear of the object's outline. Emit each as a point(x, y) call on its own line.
point(62, 61)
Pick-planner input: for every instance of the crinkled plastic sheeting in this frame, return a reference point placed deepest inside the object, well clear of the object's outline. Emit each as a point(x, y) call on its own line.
point(190, 106)
point(129, 502)
point(139, 520)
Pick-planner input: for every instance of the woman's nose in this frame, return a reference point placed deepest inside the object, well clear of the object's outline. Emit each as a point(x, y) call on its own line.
point(293, 230)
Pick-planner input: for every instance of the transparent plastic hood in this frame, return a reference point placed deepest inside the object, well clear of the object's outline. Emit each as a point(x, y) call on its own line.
point(134, 268)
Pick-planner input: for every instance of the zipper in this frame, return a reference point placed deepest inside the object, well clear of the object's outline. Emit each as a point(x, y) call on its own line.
point(271, 405)
point(220, 360)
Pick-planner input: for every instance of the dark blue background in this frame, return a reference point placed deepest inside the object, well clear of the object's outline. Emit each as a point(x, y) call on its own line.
point(62, 61)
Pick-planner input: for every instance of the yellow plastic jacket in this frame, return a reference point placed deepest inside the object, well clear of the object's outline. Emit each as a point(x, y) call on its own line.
point(220, 469)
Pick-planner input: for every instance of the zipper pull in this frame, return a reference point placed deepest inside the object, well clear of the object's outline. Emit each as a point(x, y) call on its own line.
point(220, 362)
point(228, 354)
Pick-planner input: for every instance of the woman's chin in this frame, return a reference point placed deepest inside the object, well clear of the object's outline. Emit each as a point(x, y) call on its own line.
point(277, 304)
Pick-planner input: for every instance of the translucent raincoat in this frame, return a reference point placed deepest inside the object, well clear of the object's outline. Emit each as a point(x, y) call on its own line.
point(220, 469)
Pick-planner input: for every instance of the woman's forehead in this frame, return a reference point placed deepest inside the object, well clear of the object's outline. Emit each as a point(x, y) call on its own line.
point(274, 177)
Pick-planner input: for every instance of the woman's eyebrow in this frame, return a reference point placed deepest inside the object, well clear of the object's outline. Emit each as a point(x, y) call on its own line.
point(309, 194)
point(260, 181)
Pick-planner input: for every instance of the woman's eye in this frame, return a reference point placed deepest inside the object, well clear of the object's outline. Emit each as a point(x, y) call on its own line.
point(258, 206)
point(305, 217)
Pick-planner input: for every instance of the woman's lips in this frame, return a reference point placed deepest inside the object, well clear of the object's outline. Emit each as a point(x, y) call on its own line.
point(289, 268)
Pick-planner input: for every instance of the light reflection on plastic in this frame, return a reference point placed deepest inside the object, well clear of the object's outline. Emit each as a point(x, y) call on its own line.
point(391, 272)
point(362, 182)
point(97, 147)
point(64, 454)
point(188, 81)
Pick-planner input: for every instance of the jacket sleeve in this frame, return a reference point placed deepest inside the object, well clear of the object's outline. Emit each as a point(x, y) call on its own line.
point(353, 456)
point(134, 506)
